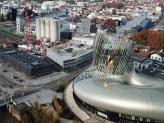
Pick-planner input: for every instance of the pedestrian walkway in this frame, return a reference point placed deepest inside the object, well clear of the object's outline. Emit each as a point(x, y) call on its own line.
point(83, 115)
point(23, 80)
point(68, 96)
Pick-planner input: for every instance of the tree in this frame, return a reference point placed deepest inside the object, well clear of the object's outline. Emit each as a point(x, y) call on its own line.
point(2, 18)
point(114, 12)
point(152, 40)
point(56, 105)
point(35, 104)
point(55, 116)
point(155, 39)
point(140, 37)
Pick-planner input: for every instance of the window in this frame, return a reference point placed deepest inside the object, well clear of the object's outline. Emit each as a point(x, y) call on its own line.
point(139, 66)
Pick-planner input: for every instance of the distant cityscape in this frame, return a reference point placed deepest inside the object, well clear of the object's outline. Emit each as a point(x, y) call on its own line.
point(75, 61)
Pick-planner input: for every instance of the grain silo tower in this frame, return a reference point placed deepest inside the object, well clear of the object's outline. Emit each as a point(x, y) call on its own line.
point(43, 33)
point(38, 29)
point(47, 28)
point(55, 30)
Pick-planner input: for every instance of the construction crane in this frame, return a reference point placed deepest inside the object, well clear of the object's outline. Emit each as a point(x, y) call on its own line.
point(27, 24)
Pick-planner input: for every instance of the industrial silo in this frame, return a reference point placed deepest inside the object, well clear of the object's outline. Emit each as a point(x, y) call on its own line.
point(43, 33)
point(38, 29)
point(55, 30)
point(47, 28)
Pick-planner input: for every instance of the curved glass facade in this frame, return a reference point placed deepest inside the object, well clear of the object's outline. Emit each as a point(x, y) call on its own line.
point(112, 53)
point(112, 57)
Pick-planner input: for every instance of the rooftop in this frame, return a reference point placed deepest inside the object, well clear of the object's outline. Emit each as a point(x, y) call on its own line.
point(43, 96)
point(22, 57)
point(140, 57)
point(161, 54)
point(22, 107)
point(69, 51)
point(154, 73)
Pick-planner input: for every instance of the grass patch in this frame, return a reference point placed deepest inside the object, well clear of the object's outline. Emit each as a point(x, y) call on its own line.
point(12, 34)
point(17, 36)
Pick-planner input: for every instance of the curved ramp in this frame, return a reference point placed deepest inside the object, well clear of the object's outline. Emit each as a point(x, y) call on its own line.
point(68, 96)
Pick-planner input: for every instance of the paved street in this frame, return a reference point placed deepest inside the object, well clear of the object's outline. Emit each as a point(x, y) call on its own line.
point(16, 90)
point(17, 95)
point(6, 83)
point(6, 87)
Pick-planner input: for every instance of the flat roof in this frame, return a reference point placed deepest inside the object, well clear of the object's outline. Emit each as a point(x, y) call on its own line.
point(88, 38)
point(69, 51)
point(22, 57)
point(112, 17)
point(155, 70)
point(154, 73)
point(43, 96)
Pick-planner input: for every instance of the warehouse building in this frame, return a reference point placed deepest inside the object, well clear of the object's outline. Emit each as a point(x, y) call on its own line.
point(28, 64)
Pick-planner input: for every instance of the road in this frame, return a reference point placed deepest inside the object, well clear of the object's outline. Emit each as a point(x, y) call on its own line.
point(6, 83)
point(17, 91)
point(6, 87)
point(17, 95)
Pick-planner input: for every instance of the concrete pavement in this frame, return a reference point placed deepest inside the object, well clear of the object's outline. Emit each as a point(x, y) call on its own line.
point(84, 116)
point(68, 95)
point(23, 80)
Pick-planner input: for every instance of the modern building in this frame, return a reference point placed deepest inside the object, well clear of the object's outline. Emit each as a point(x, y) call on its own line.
point(111, 89)
point(85, 26)
point(159, 57)
point(136, 24)
point(5, 9)
point(151, 66)
point(48, 28)
point(47, 5)
point(30, 65)
point(76, 54)
point(158, 10)
point(19, 25)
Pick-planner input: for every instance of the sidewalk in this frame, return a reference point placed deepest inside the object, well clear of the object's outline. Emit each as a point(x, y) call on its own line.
point(68, 96)
point(22, 80)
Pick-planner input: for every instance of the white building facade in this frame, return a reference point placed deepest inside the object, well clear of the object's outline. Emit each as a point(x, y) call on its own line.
point(20, 25)
point(157, 57)
point(48, 28)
